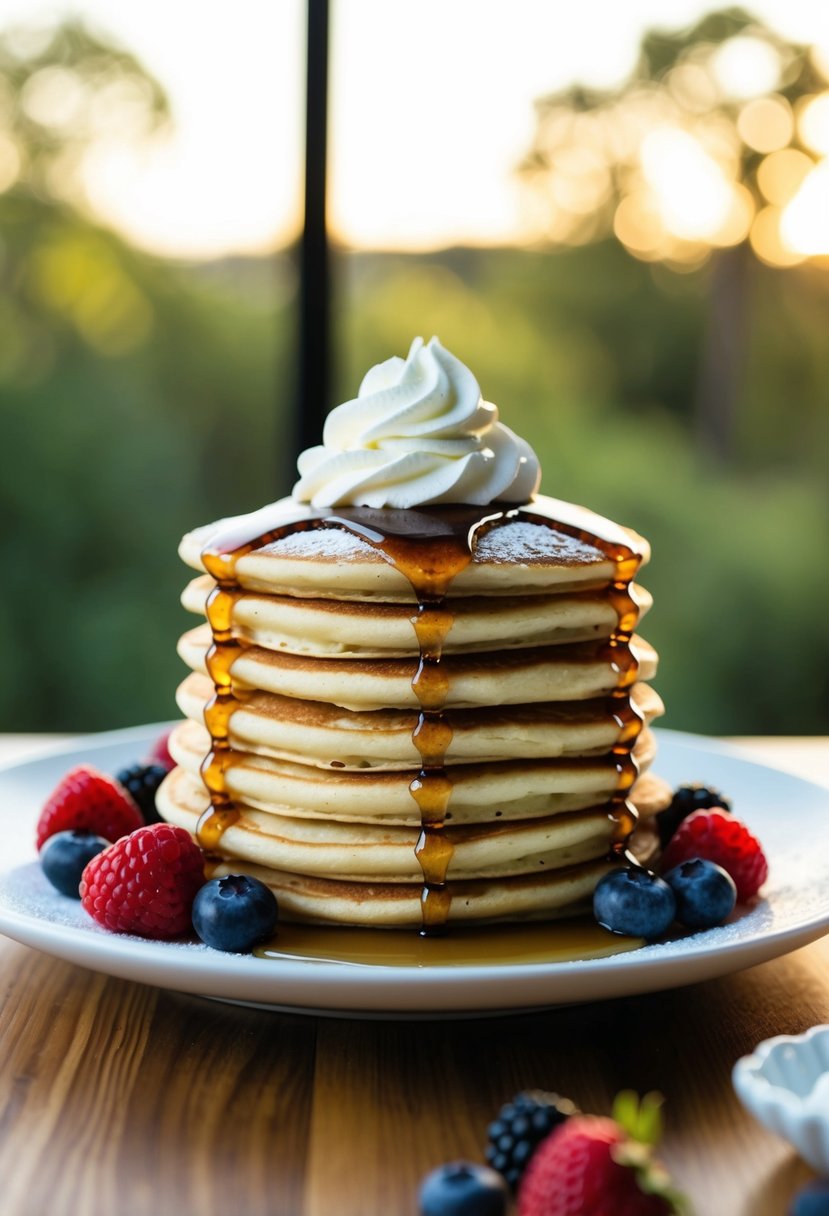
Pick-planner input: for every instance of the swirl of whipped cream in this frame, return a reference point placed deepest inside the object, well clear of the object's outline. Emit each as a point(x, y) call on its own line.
point(417, 433)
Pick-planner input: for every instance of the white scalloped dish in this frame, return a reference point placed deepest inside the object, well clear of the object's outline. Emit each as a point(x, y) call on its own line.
point(784, 1083)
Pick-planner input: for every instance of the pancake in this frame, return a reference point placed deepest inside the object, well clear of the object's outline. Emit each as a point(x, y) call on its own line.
point(352, 629)
point(518, 557)
point(366, 852)
point(508, 677)
point(325, 901)
point(313, 732)
point(481, 793)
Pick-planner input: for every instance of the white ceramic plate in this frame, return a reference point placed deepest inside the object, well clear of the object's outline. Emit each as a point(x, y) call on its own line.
point(790, 816)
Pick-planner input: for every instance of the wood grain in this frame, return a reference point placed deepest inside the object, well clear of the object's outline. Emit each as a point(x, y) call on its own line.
point(116, 1097)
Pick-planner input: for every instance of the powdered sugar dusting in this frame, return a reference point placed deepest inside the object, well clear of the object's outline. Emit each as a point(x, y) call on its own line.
point(515, 542)
point(520, 541)
point(321, 542)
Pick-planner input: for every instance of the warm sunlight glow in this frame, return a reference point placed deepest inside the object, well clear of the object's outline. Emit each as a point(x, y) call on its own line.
point(804, 225)
point(766, 124)
point(432, 109)
point(692, 193)
point(781, 175)
point(746, 66)
point(154, 191)
point(813, 123)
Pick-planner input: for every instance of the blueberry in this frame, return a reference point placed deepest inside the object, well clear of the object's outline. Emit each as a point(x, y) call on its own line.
point(704, 893)
point(813, 1200)
point(64, 856)
point(234, 913)
point(634, 901)
point(463, 1189)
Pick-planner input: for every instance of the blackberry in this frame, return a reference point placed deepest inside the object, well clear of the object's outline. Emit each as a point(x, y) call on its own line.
point(686, 800)
point(141, 782)
point(519, 1129)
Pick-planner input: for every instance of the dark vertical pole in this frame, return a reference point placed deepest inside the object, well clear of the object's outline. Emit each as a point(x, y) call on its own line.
point(314, 281)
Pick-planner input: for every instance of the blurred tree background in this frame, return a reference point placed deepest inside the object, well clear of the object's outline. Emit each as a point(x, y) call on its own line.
point(666, 357)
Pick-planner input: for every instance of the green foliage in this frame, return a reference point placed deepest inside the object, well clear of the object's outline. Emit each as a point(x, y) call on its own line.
point(115, 441)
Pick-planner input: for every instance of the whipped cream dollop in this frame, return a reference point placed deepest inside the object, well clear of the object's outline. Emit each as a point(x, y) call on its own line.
point(417, 433)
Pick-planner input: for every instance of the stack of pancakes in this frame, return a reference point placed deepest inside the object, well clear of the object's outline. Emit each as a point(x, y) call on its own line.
point(324, 757)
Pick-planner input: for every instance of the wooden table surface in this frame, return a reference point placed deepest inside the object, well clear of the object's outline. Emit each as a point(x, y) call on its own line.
point(117, 1098)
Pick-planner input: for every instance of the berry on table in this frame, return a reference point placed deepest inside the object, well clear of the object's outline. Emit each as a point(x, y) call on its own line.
point(88, 801)
point(141, 781)
point(64, 857)
point(462, 1188)
point(145, 883)
point(633, 901)
point(717, 836)
point(705, 893)
point(160, 752)
point(520, 1127)
point(593, 1166)
point(234, 913)
point(686, 800)
point(812, 1200)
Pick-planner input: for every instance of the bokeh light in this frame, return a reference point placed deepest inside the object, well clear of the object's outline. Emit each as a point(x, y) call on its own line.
point(717, 147)
point(766, 124)
point(804, 226)
point(813, 123)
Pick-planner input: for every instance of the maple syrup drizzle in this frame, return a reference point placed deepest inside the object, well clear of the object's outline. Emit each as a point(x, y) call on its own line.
point(429, 547)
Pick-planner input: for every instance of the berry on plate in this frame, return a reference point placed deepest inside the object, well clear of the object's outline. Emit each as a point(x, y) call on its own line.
point(705, 893)
point(88, 801)
point(592, 1166)
point(160, 752)
point(633, 901)
point(520, 1127)
point(812, 1200)
point(141, 781)
point(234, 913)
point(65, 856)
point(462, 1188)
point(686, 800)
point(145, 883)
point(717, 836)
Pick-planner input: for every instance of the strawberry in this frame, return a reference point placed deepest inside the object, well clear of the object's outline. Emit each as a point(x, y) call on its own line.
point(145, 883)
point(591, 1166)
point(88, 801)
point(717, 836)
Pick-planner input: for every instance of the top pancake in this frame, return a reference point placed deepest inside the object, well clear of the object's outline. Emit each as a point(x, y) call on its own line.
point(510, 557)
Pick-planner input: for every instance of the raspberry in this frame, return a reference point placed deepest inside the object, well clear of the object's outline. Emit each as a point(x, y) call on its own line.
point(580, 1170)
point(717, 836)
point(145, 883)
point(160, 753)
point(88, 801)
